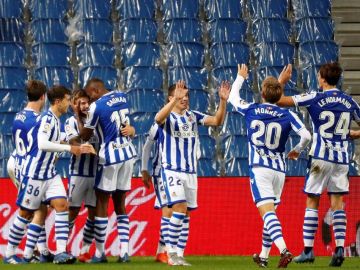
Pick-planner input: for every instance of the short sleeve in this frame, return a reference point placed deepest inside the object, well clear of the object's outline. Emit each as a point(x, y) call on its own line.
point(296, 123)
point(92, 117)
point(70, 129)
point(46, 126)
point(199, 117)
point(154, 132)
point(304, 100)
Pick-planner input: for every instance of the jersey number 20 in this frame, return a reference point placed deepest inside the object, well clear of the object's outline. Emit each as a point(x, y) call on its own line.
point(272, 133)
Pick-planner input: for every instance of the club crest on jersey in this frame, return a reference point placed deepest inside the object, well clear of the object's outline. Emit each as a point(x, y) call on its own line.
point(185, 127)
point(47, 127)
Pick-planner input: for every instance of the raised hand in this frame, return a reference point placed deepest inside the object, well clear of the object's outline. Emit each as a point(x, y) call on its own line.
point(180, 90)
point(243, 71)
point(285, 74)
point(224, 90)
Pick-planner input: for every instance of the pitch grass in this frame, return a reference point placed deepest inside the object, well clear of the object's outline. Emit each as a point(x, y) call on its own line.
point(198, 262)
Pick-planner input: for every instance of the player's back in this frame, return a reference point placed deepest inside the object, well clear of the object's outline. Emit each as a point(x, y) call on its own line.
point(25, 121)
point(331, 114)
point(109, 114)
point(268, 128)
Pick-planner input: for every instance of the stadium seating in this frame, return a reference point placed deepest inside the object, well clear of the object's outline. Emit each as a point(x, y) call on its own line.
point(11, 8)
point(55, 75)
point(296, 167)
point(95, 54)
point(140, 54)
point(311, 8)
point(222, 9)
point(268, 9)
point(199, 100)
point(95, 30)
point(92, 8)
point(229, 54)
point(62, 166)
point(235, 146)
point(107, 73)
point(11, 100)
point(182, 30)
point(11, 29)
point(237, 167)
point(138, 30)
point(143, 77)
point(48, 30)
point(142, 121)
point(274, 54)
point(207, 167)
point(51, 54)
point(6, 146)
point(136, 9)
point(314, 29)
point(317, 53)
point(309, 77)
point(139, 100)
point(195, 78)
point(12, 54)
point(48, 9)
point(207, 146)
point(12, 77)
point(191, 54)
point(271, 30)
point(234, 124)
point(180, 9)
point(6, 121)
point(227, 30)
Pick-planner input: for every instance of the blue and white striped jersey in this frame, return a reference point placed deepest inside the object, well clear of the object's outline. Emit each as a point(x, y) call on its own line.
point(39, 164)
point(179, 139)
point(84, 165)
point(154, 135)
point(23, 125)
point(268, 128)
point(107, 115)
point(331, 114)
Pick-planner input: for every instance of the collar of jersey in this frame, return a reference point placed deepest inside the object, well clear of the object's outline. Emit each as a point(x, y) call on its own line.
point(332, 89)
point(53, 113)
point(176, 114)
point(266, 103)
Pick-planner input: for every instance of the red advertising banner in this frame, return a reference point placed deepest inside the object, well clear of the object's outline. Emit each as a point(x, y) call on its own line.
point(226, 222)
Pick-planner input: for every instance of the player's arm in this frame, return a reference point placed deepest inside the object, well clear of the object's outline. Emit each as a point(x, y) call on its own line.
point(354, 134)
point(71, 134)
point(128, 130)
point(180, 92)
point(305, 137)
point(219, 117)
point(86, 128)
point(145, 157)
point(284, 77)
point(46, 145)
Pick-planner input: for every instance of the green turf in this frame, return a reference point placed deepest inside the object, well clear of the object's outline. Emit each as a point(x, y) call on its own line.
point(198, 262)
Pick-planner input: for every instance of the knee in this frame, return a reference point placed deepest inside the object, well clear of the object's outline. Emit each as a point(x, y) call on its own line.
point(28, 215)
point(61, 206)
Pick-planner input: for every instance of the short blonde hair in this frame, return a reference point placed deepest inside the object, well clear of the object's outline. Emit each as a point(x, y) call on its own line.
point(271, 90)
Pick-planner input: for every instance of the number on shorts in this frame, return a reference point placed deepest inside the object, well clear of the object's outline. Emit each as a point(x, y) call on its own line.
point(33, 191)
point(171, 182)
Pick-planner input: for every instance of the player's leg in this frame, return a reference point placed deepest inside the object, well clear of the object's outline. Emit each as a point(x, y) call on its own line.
point(315, 182)
point(176, 198)
point(262, 182)
point(338, 186)
point(56, 195)
point(88, 233)
point(104, 186)
point(45, 254)
point(161, 203)
point(123, 179)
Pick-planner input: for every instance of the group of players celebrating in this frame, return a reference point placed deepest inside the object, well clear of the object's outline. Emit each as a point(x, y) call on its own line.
point(99, 135)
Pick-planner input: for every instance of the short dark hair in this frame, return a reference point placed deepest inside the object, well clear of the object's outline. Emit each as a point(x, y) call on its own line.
point(93, 80)
point(80, 93)
point(271, 90)
point(57, 92)
point(331, 73)
point(35, 90)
